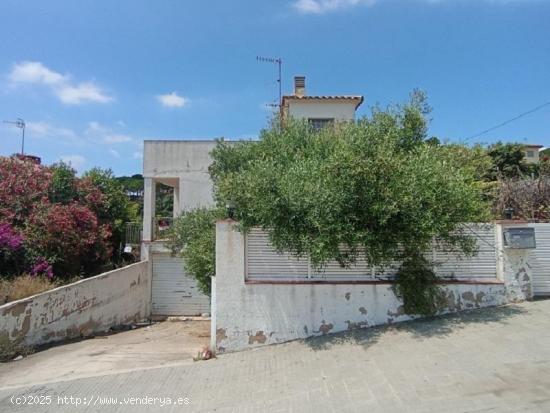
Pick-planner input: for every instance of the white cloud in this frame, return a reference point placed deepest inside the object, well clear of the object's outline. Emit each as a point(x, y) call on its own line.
point(48, 130)
point(114, 153)
point(172, 100)
point(83, 92)
point(138, 155)
point(104, 134)
point(76, 161)
point(35, 72)
point(117, 138)
point(62, 86)
point(326, 6)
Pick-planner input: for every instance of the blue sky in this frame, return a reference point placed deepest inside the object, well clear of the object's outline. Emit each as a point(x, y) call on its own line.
point(93, 79)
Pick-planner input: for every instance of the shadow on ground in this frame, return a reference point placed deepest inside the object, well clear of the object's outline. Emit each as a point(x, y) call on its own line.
point(421, 328)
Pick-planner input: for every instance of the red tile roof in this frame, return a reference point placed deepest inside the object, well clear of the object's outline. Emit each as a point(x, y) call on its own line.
point(357, 98)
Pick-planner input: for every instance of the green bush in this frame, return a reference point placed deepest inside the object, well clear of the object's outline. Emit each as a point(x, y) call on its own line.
point(376, 186)
point(416, 286)
point(372, 185)
point(193, 237)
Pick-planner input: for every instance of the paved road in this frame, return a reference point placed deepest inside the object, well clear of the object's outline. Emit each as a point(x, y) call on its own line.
point(167, 343)
point(495, 360)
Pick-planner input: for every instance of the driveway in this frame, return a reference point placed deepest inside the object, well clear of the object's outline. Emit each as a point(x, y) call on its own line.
point(162, 344)
point(492, 360)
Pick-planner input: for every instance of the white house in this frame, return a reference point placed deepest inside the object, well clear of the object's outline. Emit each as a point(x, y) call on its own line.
point(532, 153)
point(318, 110)
point(183, 165)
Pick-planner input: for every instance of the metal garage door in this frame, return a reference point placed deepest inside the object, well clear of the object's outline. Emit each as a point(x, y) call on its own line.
point(540, 260)
point(174, 292)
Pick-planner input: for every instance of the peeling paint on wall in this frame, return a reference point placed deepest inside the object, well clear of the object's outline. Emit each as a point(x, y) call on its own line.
point(259, 338)
point(220, 335)
point(292, 311)
point(325, 328)
point(354, 325)
point(80, 309)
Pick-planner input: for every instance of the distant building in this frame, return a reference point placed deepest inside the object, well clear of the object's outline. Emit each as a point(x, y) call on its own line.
point(318, 110)
point(28, 158)
point(532, 153)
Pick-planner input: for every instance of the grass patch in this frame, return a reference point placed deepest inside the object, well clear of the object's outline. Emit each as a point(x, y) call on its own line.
point(23, 286)
point(11, 349)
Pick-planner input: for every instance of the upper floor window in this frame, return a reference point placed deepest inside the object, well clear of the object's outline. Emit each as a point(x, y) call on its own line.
point(530, 154)
point(320, 123)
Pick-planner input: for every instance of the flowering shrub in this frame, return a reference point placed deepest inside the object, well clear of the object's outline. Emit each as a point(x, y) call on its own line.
point(70, 237)
point(11, 249)
point(42, 267)
point(51, 221)
point(9, 239)
point(23, 185)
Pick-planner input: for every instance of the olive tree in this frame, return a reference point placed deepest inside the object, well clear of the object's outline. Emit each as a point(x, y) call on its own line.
point(374, 189)
point(373, 185)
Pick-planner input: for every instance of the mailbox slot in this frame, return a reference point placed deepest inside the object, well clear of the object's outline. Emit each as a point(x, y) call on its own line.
point(519, 238)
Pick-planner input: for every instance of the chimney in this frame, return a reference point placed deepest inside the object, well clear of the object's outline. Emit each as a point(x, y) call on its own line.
point(299, 86)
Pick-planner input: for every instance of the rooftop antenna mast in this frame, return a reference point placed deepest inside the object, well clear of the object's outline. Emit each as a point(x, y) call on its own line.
point(19, 123)
point(278, 61)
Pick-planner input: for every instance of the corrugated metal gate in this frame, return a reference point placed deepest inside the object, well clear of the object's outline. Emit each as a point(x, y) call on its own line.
point(540, 260)
point(174, 292)
point(263, 262)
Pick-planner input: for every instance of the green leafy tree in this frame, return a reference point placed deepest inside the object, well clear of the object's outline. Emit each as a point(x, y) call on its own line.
point(133, 187)
point(63, 186)
point(508, 161)
point(115, 206)
point(375, 186)
point(164, 201)
point(194, 238)
point(372, 185)
point(476, 160)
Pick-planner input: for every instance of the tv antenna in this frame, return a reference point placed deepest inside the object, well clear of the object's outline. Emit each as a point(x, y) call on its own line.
point(278, 61)
point(19, 123)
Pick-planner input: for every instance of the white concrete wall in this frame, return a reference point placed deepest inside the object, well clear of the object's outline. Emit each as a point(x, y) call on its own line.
point(80, 309)
point(250, 314)
point(536, 155)
point(514, 269)
point(188, 162)
point(181, 164)
point(304, 109)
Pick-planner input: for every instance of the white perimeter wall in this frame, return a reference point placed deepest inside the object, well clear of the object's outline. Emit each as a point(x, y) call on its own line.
point(80, 309)
point(247, 314)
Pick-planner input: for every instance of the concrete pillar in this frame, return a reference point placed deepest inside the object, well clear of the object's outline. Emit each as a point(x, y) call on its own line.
point(513, 268)
point(213, 329)
point(177, 209)
point(181, 194)
point(228, 287)
point(149, 203)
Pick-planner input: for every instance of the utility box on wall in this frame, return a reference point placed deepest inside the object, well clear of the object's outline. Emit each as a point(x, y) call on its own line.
point(519, 238)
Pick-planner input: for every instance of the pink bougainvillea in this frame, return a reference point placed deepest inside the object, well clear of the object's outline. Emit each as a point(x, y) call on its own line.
point(52, 233)
point(23, 185)
point(42, 267)
point(10, 240)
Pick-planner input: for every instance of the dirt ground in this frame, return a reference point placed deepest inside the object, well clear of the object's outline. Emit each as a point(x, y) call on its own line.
point(165, 343)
